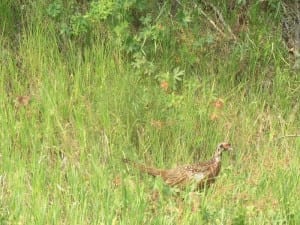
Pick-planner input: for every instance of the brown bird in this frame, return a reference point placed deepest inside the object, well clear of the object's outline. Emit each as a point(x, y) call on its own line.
point(202, 174)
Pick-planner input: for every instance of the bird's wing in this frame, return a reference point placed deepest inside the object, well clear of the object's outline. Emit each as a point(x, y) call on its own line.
point(199, 172)
point(176, 176)
point(199, 167)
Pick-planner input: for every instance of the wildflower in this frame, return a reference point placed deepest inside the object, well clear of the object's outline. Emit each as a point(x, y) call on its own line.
point(164, 85)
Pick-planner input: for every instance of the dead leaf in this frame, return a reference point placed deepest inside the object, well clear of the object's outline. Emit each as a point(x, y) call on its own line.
point(117, 181)
point(157, 124)
point(214, 117)
point(154, 196)
point(219, 103)
point(22, 101)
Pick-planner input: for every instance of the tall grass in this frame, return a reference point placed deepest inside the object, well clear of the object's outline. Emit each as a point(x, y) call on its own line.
point(61, 154)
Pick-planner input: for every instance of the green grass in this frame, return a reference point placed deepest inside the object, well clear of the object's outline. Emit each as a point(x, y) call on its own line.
point(61, 154)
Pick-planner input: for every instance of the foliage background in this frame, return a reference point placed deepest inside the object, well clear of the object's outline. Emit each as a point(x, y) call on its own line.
point(86, 83)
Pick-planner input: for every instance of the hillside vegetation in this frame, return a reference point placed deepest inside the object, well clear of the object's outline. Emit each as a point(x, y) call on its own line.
point(84, 84)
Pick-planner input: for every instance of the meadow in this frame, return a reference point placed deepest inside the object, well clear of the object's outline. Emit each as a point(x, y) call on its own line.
point(71, 111)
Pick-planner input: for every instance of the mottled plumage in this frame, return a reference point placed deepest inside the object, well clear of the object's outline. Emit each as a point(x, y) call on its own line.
point(203, 173)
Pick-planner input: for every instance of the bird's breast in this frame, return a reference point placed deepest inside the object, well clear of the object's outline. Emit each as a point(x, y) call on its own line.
point(199, 177)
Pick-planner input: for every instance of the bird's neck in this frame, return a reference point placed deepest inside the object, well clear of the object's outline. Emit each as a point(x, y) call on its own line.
point(217, 156)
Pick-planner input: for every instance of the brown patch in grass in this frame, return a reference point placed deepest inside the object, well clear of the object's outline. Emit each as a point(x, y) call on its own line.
point(153, 199)
point(22, 101)
point(159, 124)
point(195, 201)
point(218, 103)
point(214, 117)
point(117, 181)
point(154, 196)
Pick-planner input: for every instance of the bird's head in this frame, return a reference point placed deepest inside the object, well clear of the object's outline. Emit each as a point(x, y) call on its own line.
point(224, 146)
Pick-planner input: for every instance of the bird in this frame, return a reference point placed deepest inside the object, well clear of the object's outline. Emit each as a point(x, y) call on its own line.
point(202, 174)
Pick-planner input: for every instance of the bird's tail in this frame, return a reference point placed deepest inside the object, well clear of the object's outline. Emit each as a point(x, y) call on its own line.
point(146, 169)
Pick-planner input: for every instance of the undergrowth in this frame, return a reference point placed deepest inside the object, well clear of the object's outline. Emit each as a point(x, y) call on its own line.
point(85, 84)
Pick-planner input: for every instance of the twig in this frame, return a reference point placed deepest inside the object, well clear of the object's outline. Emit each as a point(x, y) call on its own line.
point(289, 135)
point(105, 145)
point(213, 23)
point(221, 18)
